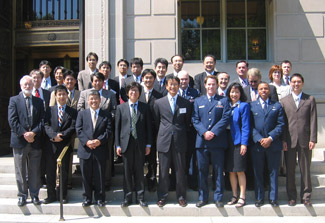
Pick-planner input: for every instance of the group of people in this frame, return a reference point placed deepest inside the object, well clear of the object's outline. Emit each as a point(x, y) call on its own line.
point(185, 124)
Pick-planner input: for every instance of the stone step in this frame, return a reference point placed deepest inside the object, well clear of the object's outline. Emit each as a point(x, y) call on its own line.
point(116, 194)
point(9, 206)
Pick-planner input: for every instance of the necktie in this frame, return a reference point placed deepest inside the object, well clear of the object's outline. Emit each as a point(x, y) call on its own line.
point(183, 94)
point(94, 118)
point(133, 121)
point(104, 85)
point(172, 105)
point(46, 84)
point(265, 107)
point(243, 83)
point(161, 83)
point(297, 102)
point(122, 81)
point(29, 114)
point(37, 93)
point(147, 96)
point(253, 95)
point(60, 117)
point(287, 80)
point(210, 99)
point(69, 96)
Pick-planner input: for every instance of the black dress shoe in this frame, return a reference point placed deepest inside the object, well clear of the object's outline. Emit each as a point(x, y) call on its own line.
point(125, 203)
point(118, 160)
point(201, 203)
point(21, 201)
point(35, 201)
point(49, 200)
point(259, 203)
point(142, 203)
point(86, 203)
point(100, 203)
point(292, 203)
point(161, 203)
point(273, 203)
point(219, 204)
point(182, 202)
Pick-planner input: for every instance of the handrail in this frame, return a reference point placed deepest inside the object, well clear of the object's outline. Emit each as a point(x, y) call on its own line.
point(59, 165)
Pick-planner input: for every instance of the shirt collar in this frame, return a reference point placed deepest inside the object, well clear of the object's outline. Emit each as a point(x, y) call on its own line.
point(63, 106)
point(262, 101)
point(296, 96)
point(130, 103)
point(169, 97)
point(97, 110)
point(209, 74)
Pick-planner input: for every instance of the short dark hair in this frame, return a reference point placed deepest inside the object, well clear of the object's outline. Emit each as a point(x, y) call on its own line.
point(137, 60)
point(176, 55)
point(123, 60)
point(98, 75)
point(161, 60)
point(210, 55)
point(35, 71)
point(58, 68)
point(172, 77)
point(286, 61)
point(242, 61)
point(149, 71)
point(60, 88)
point(298, 75)
point(263, 82)
point(94, 92)
point(133, 85)
point(240, 88)
point(92, 54)
point(44, 62)
point(68, 72)
point(105, 63)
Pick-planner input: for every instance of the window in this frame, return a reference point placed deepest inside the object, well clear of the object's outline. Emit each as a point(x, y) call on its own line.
point(239, 34)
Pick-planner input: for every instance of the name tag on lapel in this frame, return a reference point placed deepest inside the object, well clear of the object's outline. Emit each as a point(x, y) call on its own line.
point(273, 108)
point(182, 110)
point(202, 106)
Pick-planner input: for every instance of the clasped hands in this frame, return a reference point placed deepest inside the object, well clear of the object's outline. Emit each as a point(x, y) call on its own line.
point(93, 144)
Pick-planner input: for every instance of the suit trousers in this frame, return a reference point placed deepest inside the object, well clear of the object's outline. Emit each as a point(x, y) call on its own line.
point(133, 160)
point(93, 177)
point(27, 162)
point(51, 166)
point(179, 163)
point(217, 160)
point(191, 160)
point(109, 161)
point(273, 162)
point(304, 160)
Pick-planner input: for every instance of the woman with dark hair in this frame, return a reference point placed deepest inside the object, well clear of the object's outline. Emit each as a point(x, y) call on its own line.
point(275, 76)
point(238, 140)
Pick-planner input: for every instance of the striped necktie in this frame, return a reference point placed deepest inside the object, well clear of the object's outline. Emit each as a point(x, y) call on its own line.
point(60, 117)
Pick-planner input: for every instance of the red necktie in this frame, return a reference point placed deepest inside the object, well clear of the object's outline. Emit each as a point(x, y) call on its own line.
point(37, 93)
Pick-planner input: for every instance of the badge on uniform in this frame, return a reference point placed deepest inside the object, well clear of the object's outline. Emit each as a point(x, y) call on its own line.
point(219, 105)
point(202, 106)
point(182, 110)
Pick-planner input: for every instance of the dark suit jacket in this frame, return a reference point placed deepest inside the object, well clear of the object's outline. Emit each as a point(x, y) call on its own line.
point(172, 126)
point(301, 122)
point(17, 118)
point(273, 93)
point(85, 132)
point(267, 124)
point(191, 94)
point(153, 97)
point(46, 96)
point(123, 126)
point(67, 127)
point(71, 103)
point(199, 82)
point(121, 90)
point(214, 117)
point(161, 89)
point(191, 79)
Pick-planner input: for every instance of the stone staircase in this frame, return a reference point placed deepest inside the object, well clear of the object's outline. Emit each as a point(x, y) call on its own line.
point(8, 199)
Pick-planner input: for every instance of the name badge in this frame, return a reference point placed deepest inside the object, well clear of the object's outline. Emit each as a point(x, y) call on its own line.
point(273, 108)
point(182, 110)
point(202, 106)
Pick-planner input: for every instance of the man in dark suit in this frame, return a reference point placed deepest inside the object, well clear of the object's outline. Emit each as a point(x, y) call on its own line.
point(84, 81)
point(300, 137)
point(267, 127)
point(45, 96)
point(93, 129)
point(189, 94)
point(149, 95)
point(177, 63)
point(286, 66)
point(133, 140)
point(47, 80)
point(105, 68)
point(211, 116)
point(59, 126)
point(161, 66)
point(173, 118)
point(254, 78)
point(123, 67)
point(209, 63)
point(241, 70)
point(25, 117)
point(58, 75)
point(223, 81)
